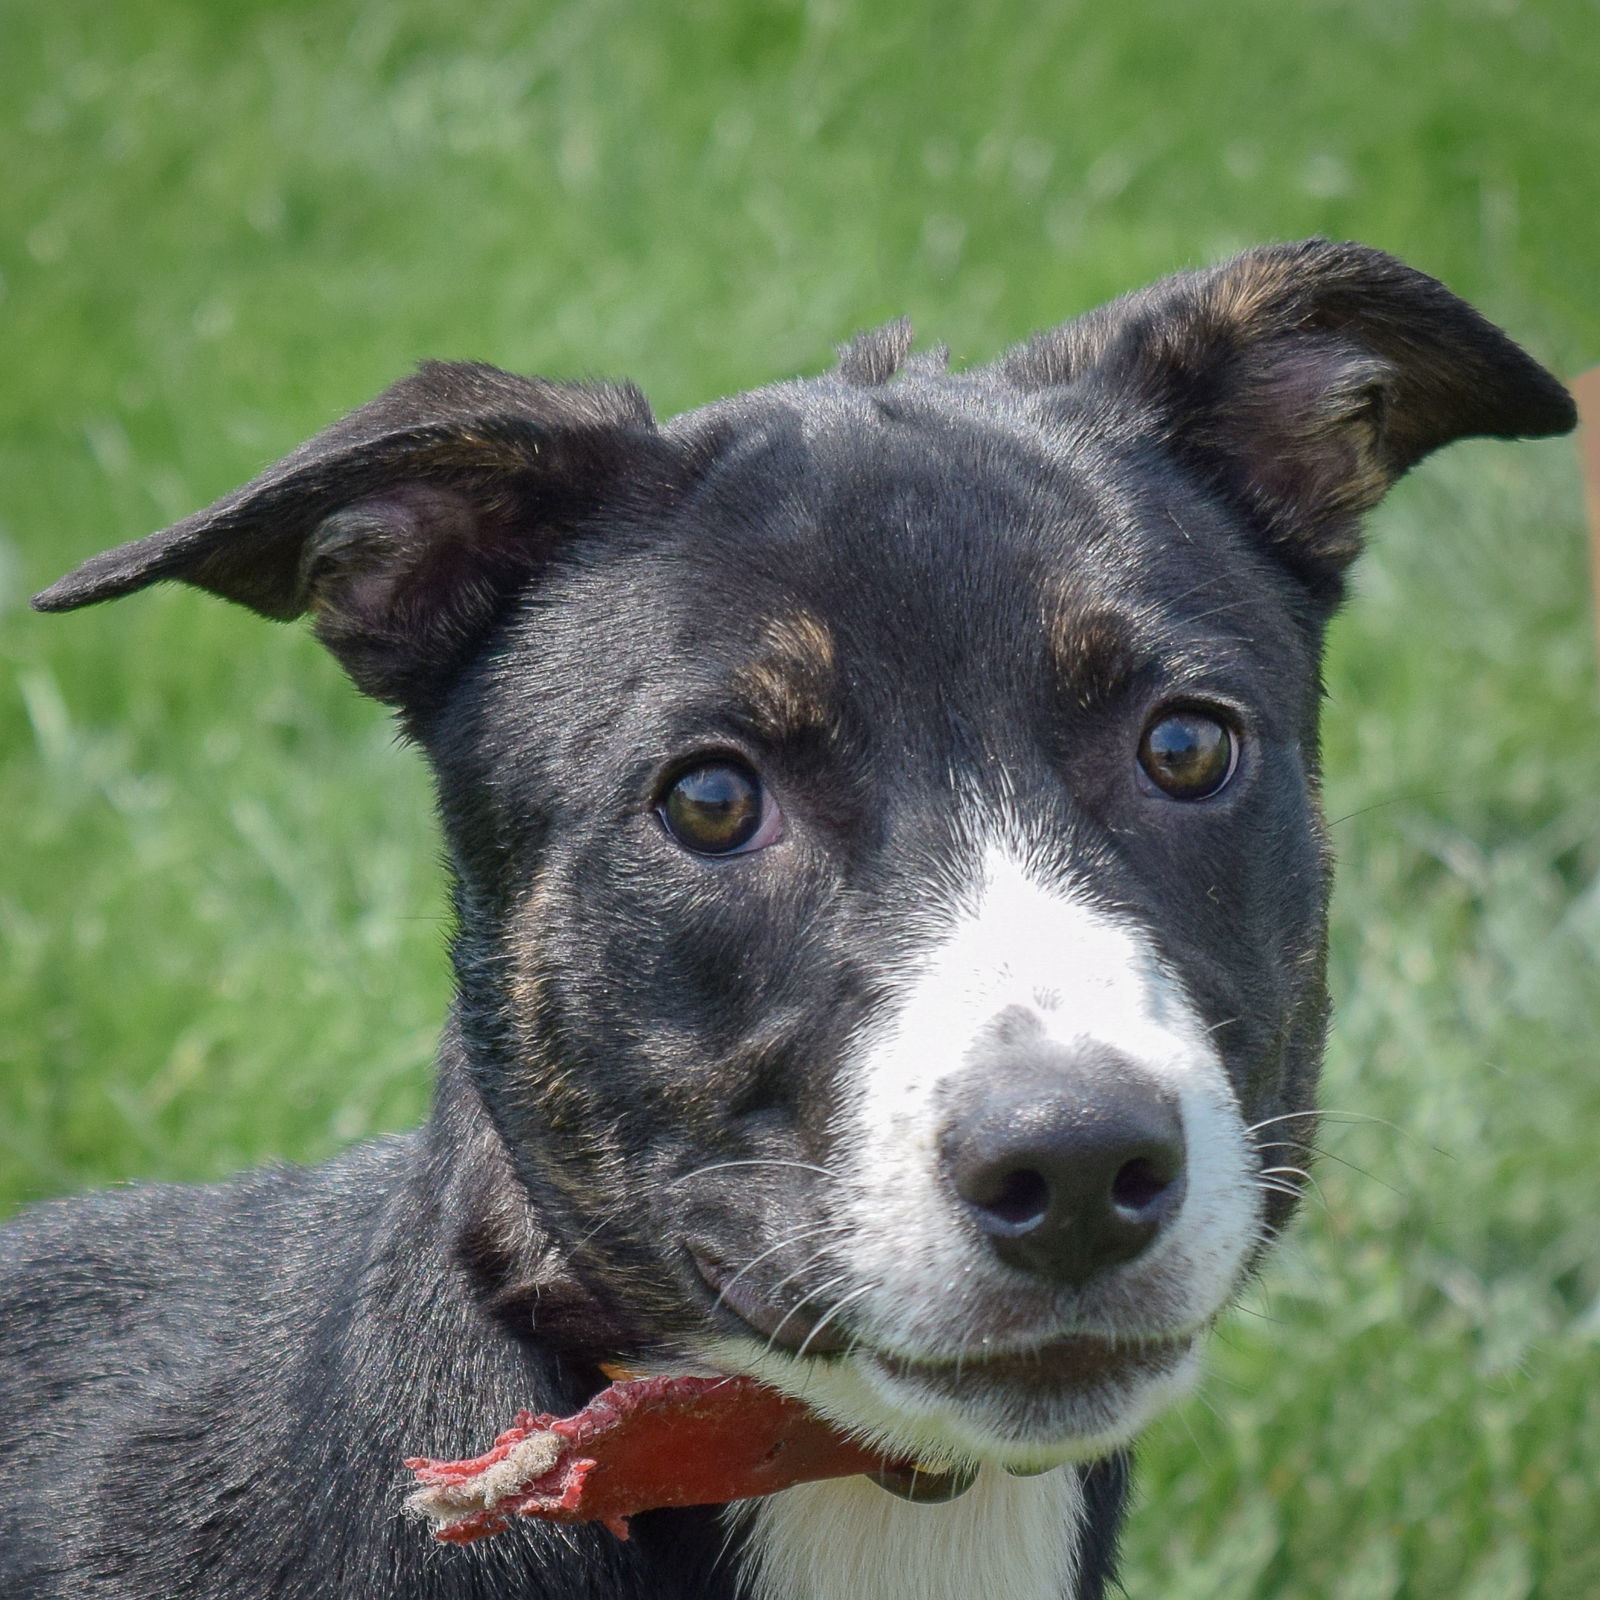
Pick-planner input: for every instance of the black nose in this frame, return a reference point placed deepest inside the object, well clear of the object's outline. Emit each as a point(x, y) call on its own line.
point(1070, 1160)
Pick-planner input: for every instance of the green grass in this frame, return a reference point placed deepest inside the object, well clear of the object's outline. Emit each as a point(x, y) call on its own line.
point(220, 914)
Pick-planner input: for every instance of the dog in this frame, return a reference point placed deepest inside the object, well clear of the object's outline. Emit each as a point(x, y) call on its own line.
point(890, 902)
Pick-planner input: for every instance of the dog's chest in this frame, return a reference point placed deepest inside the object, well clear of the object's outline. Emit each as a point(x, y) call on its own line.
point(846, 1539)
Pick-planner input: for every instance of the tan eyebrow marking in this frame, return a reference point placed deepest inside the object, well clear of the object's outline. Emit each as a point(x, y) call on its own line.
point(1090, 643)
point(789, 686)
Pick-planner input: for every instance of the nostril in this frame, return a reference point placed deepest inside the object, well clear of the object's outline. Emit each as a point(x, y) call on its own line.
point(1138, 1186)
point(1069, 1160)
point(1016, 1203)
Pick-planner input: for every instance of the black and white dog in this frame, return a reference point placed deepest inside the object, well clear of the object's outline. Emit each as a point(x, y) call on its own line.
point(890, 903)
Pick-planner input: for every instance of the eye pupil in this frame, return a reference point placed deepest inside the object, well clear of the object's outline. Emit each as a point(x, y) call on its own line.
point(1187, 754)
point(713, 809)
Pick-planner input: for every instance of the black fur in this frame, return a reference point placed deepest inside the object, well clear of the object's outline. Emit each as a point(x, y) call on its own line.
point(209, 1391)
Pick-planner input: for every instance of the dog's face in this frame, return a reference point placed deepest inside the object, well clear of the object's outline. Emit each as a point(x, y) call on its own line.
point(884, 808)
point(917, 894)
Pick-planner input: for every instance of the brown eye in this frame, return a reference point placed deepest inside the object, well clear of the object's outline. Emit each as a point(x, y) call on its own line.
point(1187, 754)
point(719, 809)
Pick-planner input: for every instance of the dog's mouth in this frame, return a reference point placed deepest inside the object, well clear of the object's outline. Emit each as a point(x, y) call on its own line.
point(1046, 1379)
point(1042, 1375)
point(801, 1329)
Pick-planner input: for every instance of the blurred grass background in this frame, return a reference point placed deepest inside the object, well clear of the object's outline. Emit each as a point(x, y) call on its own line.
point(221, 921)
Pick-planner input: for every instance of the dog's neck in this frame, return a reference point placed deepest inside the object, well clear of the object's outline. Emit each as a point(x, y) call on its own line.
point(521, 1275)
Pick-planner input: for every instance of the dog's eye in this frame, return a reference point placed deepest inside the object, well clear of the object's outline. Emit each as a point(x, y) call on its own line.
point(1187, 755)
point(720, 809)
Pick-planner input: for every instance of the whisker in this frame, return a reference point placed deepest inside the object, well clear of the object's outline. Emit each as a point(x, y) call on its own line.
point(1288, 1116)
point(1292, 1172)
point(1291, 1192)
point(754, 1161)
point(1264, 1316)
point(1328, 1155)
point(1335, 1115)
point(1391, 800)
point(805, 1266)
point(1216, 611)
point(796, 1308)
point(838, 1306)
point(802, 1233)
point(1194, 1438)
point(1288, 1191)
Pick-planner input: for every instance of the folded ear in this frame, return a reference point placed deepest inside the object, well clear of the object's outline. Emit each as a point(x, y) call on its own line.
point(404, 527)
point(1300, 381)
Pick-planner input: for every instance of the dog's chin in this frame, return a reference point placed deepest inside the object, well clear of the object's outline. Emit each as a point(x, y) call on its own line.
point(1076, 1399)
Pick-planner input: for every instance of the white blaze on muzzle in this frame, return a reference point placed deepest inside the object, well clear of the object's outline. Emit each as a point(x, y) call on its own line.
point(1083, 982)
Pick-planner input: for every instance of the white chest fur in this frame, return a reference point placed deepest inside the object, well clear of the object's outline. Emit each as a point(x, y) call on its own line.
point(846, 1539)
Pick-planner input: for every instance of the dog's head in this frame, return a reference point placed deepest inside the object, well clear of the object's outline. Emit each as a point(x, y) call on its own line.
point(884, 810)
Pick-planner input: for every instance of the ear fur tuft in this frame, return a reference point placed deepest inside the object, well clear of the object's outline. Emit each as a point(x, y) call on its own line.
point(1300, 381)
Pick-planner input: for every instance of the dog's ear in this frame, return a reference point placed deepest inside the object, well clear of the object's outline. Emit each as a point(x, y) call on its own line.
point(1300, 381)
point(404, 527)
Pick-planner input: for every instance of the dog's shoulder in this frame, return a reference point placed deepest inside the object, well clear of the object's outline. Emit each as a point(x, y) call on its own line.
point(243, 1367)
point(104, 1298)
